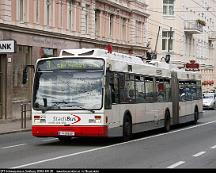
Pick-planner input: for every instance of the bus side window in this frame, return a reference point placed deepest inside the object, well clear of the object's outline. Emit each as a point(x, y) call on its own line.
point(199, 90)
point(149, 90)
point(182, 91)
point(129, 91)
point(108, 101)
point(160, 88)
point(114, 83)
point(140, 89)
point(114, 87)
point(121, 80)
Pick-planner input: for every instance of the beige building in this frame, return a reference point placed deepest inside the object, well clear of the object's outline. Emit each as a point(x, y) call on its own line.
point(192, 24)
point(40, 28)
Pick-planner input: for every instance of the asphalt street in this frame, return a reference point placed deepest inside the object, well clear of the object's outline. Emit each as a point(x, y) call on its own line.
point(185, 146)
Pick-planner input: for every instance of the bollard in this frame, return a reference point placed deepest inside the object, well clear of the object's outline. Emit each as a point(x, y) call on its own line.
point(24, 110)
point(24, 116)
point(30, 111)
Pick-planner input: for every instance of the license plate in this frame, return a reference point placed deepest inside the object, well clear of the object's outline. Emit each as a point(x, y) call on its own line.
point(61, 133)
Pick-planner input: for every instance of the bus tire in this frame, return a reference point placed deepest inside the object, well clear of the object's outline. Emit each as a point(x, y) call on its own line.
point(196, 115)
point(167, 121)
point(214, 107)
point(127, 128)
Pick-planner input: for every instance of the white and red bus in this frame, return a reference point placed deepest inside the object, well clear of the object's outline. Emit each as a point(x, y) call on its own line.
point(94, 93)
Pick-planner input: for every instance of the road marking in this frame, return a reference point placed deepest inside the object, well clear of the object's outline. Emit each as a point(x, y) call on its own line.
point(176, 164)
point(199, 154)
point(109, 146)
point(12, 146)
point(213, 147)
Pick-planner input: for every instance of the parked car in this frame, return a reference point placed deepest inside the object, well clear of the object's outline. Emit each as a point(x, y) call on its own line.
point(209, 101)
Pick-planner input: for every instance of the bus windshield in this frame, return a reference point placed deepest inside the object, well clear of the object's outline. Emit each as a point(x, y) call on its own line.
point(69, 84)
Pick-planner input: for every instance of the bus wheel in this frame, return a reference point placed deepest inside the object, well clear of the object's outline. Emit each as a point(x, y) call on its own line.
point(214, 107)
point(64, 139)
point(127, 128)
point(196, 115)
point(167, 122)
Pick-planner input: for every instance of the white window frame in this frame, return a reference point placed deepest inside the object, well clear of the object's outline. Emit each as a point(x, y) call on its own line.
point(37, 10)
point(111, 24)
point(138, 32)
point(48, 12)
point(166, 37)
point(61, 4)
point(168, 5)
point(87, 17)
point(70, 14)
point(21, 11)
point(124, 28)
point(97, 22)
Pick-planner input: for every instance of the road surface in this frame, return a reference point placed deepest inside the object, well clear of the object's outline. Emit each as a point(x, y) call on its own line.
point(185, 146)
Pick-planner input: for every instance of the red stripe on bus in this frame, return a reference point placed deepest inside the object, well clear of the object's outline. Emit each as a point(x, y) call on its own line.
point(52, 131)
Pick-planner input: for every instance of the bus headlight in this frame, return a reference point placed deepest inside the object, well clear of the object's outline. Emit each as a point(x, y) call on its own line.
point(97, 119)
point(37, 118)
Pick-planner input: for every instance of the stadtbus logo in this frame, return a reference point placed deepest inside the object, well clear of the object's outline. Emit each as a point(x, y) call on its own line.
point(70, 119)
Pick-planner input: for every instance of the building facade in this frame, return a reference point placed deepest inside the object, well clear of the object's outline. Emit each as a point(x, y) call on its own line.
point(41, 28)
point(187, 32)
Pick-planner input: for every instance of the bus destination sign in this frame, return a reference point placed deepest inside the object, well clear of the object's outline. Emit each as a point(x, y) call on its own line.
point(75, 64)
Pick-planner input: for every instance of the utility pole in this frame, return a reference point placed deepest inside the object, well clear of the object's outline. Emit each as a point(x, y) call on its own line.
point(157, 40)
point(170, 38)
point(167, 59)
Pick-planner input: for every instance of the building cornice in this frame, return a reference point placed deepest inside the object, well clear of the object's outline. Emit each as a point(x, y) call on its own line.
point(140, 13)
point(135, 11)
point(19, 29)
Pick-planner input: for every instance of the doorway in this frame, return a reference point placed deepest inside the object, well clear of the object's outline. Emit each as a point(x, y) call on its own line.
point(1, 88)
point(2, 85)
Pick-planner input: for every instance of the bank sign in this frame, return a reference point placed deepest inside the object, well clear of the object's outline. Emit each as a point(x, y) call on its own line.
point(7, 46)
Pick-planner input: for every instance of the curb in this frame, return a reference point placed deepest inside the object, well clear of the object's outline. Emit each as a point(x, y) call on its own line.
point(15, 131)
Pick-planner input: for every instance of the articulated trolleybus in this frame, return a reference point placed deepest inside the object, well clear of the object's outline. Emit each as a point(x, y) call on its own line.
point(97, 93)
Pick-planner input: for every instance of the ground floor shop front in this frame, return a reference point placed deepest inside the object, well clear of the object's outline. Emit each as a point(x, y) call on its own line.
point(29, 48)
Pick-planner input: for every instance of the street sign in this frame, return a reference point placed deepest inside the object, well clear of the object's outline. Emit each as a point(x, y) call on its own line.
point(7, 46)
point(192, 66)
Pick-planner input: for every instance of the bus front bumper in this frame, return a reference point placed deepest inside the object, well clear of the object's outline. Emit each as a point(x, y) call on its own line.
point(56, 131)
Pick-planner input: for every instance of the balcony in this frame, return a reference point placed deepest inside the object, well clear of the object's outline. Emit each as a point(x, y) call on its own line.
point(192, 27)
point(212, 36)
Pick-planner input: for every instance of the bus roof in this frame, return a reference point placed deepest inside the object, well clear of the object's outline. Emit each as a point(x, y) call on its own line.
point(129, 63)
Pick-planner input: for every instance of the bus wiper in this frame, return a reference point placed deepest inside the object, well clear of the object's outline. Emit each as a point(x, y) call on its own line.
point(64, 102)
point(59, 102)
point(45, 107)
point(91, 110)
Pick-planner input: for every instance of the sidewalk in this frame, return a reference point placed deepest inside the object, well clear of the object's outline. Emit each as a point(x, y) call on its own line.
point(12, 126)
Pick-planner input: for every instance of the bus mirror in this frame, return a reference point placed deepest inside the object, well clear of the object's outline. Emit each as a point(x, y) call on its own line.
point(25, 73)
